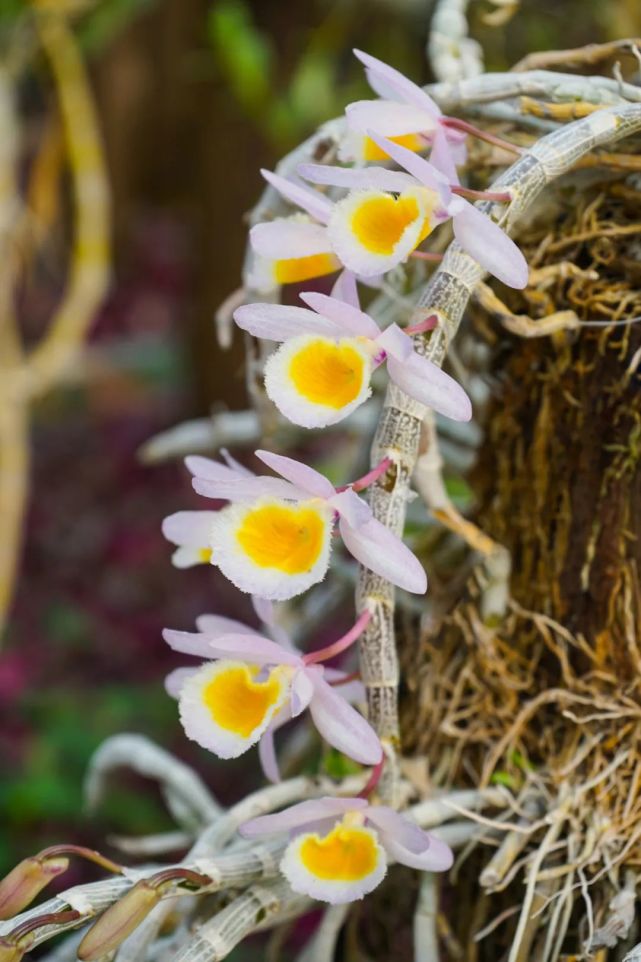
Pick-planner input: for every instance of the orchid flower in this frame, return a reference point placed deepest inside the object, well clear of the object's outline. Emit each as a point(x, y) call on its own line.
point(339, 849)
point(189, 530)
point(387, 214)
point(322, 371)
point(250, 685)
point(296, 248)
point(274, 538)
point(406, 115)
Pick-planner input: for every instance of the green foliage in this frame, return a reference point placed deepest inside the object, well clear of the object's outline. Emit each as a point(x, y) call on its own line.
point(68, 726)
point(249, 62)
point(338, 766)
point(244, 55)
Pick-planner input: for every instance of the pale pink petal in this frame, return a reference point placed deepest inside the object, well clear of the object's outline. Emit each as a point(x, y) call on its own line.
point(301, 692)
point(288, 238)
point(235, 465)
point(388, 118)
point(344, 316)
point(385, 79)
point(342, 726)
point(442, 156)
point(251, 648)
point(301, 814)
point(408, 843)
point(395, 342)
point(254, 649)
point(376, 547)
point(298, 474)
point(188, 642)
point(188, 528)
point(212, 470)
point(346, 289)
point(214, 625)
point(490, 246)
point(417, 166)
point(349, 506)
point(458, 146)
point(352, 691)
point(374, 178)
point(247, 489)
point(310, 201)
point(278, 322)
point(264, 608)
point(267, 756)
point(401, 829)
point(437, 857)
point(427, 383)
point(176, 679)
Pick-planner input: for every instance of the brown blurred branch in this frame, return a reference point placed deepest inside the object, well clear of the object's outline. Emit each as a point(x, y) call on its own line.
point(26, 378)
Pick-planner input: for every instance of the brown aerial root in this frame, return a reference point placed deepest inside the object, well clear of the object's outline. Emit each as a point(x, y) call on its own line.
point(548, 701)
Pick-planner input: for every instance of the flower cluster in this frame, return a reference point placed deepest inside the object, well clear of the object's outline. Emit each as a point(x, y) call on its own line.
point(273, 535)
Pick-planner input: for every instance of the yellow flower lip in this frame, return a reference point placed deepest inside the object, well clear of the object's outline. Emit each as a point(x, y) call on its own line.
point(283, 537)
point(328, 373)
point(348, 853)
point(380, 221)
point(371, 150)
point(294, 269)
point(237, 702)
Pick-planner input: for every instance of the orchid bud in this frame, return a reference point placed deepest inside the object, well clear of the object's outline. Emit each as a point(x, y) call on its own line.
point(119, 921)
point(23, 883)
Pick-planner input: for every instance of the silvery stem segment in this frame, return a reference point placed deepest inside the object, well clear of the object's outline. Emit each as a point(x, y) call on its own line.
point(397, 437)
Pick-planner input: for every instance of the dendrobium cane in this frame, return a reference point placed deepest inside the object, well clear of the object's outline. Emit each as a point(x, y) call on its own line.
point(274, 538)
point(250, 686)
point(339, 849)
point(387, 214)
point(405, 115)
point(322, 371)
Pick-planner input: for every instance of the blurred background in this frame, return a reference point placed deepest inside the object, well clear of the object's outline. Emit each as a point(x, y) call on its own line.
point(192, 97)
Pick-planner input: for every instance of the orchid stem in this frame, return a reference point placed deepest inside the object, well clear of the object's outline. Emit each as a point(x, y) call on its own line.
point(427, 256)
point(361, 483)
point(457, 124)
point(373, 780)
point(323, 654)
point(428, 324)
point(345, 680)
point(500, 197)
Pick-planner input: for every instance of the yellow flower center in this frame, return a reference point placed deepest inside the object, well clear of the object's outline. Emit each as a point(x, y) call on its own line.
point(204, 555)
point(371, 150)
point(347, 854)
point(237, 702)
point(289, 539)
point(303, 268)
point(380, 220)
point(328, 373)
